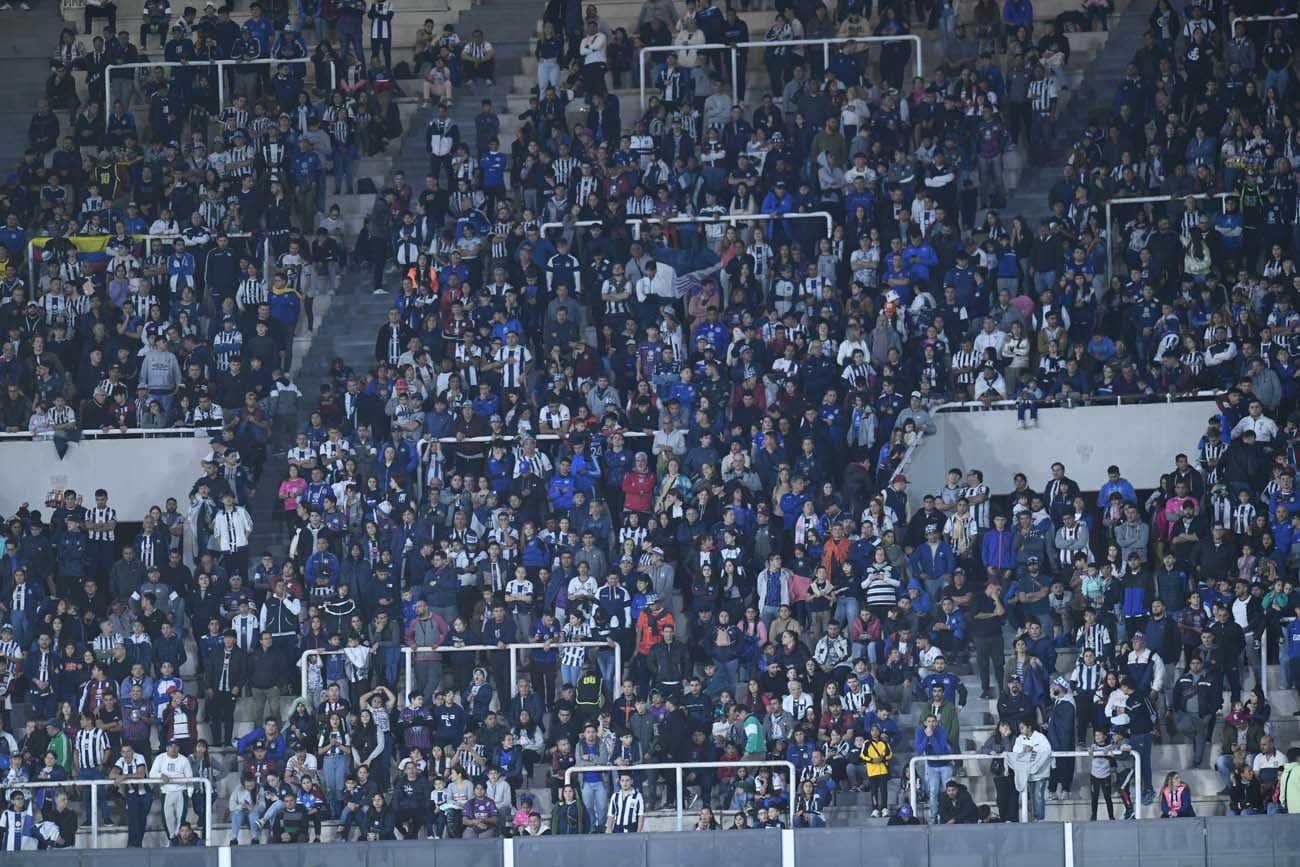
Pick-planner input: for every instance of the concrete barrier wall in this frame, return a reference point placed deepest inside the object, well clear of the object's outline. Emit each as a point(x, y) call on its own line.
point(138, 473)
point(1142, 440)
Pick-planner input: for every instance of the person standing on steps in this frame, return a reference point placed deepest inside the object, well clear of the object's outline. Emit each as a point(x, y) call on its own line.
point(1042, 105)
point(592, 49)
point(991, 140)
point(442, 136)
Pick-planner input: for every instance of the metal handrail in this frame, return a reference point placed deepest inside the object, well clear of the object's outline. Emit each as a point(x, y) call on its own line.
point(95, 785)
point(766, 43)
point(679, 767)
point(199, 65)
point(1144, 200)
point(1024, 793)
point(147, 239)
point(408, 653)
point(731, 219)
point(978, 405)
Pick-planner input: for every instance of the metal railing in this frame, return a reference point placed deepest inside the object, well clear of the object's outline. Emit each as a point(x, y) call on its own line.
point(1118, 400)
point(1143, 200)
point(147, 240)
point(677, 49)
point(680, 767)
point(1024, 793)
point(771, 43)
point(202, 66)
point(408, 654)
point(730, 219)
point(1258, 19)
point(95, 785)
point(118, 433)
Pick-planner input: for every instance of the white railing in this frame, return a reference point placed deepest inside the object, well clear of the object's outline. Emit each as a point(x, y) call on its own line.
point(730, 219)
point(118, 433)
point(1255, 19)
point(771, 43)
point(95, 785)
point(147, 240)
point(408, 656)
point(791, 782)
point(842, 40)
point(1118, 400)
point(1143, 200)
point(199, 66)
point(1024, 793)
point(677, 49)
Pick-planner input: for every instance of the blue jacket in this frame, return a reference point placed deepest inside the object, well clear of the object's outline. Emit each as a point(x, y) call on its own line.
point(998, 548)
point(932, 745)
point(932, 563)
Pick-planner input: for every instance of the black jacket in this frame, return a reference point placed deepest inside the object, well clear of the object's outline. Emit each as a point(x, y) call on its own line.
point(269, 668)
point(1207, 693)
point(961, 810)
point(239, 667)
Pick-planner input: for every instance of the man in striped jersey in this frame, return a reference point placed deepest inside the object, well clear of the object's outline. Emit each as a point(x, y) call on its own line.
point(626, 813)
point(1042, 102)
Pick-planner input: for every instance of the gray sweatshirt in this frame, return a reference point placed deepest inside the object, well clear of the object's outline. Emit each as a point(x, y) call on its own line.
point(160, 372)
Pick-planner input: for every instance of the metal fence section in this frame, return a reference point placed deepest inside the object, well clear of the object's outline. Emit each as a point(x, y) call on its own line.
point(731, 219)
point(95, 785)
point(732, 51)
point(679, 769)
point(199, 67)
point(916, 761)
point(409, 653)
point(1143, 200)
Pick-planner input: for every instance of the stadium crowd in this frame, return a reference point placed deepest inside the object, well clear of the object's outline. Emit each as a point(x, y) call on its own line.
point(686, 441)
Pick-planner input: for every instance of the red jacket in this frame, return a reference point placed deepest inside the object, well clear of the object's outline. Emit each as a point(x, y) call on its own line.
point(638, 490)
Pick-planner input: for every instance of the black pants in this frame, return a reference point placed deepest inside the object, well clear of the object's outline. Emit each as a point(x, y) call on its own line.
point(593, 78)
point(1062, 775)
point(410, 821)
point(221, 716)
point(1102, 786)
point(879, 788)
point(990, 659)
point(1008, 798)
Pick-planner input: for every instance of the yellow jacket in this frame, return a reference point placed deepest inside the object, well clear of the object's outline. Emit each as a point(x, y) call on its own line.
point(877, 755)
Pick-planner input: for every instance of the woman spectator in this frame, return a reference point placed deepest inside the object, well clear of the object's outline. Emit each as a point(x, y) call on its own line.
point(1175, 798)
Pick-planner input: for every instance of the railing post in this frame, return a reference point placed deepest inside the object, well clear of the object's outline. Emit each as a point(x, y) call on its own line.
point(207, 812)
point(1024, 804)
point(680, 795)
point(408, 655)
point(911, 782)
point(641, 61)
point(94, 815)
point(735, 79)
point(1137, 784)
point(826, 53)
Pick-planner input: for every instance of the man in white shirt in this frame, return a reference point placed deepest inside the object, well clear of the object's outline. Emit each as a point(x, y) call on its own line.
point(167, 766)
point(1264, 427)
point(592, 49)
point(231, 530)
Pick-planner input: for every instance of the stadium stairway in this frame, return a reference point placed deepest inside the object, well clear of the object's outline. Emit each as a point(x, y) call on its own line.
point(1091, 98)
point(25, 49)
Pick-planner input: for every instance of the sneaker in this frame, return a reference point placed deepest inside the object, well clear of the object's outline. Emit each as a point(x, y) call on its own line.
point(1021, 424)
point(986, 693)
point(233, 842)
point(875, 814)
point(5, 7)
point(26, 7)
point(1148, 799)
point(380, 292)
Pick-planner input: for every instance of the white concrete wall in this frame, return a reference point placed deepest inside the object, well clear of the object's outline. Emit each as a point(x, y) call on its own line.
point(138, 473)
point(1142, 440)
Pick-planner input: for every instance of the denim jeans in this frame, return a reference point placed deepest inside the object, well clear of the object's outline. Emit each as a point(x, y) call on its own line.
point(936, 778)
point(847, 608)
point(596, 799)
point(102, 796)
point(548, 74)
point(240, 818)
point(1223, 764)
point(1038, 799)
